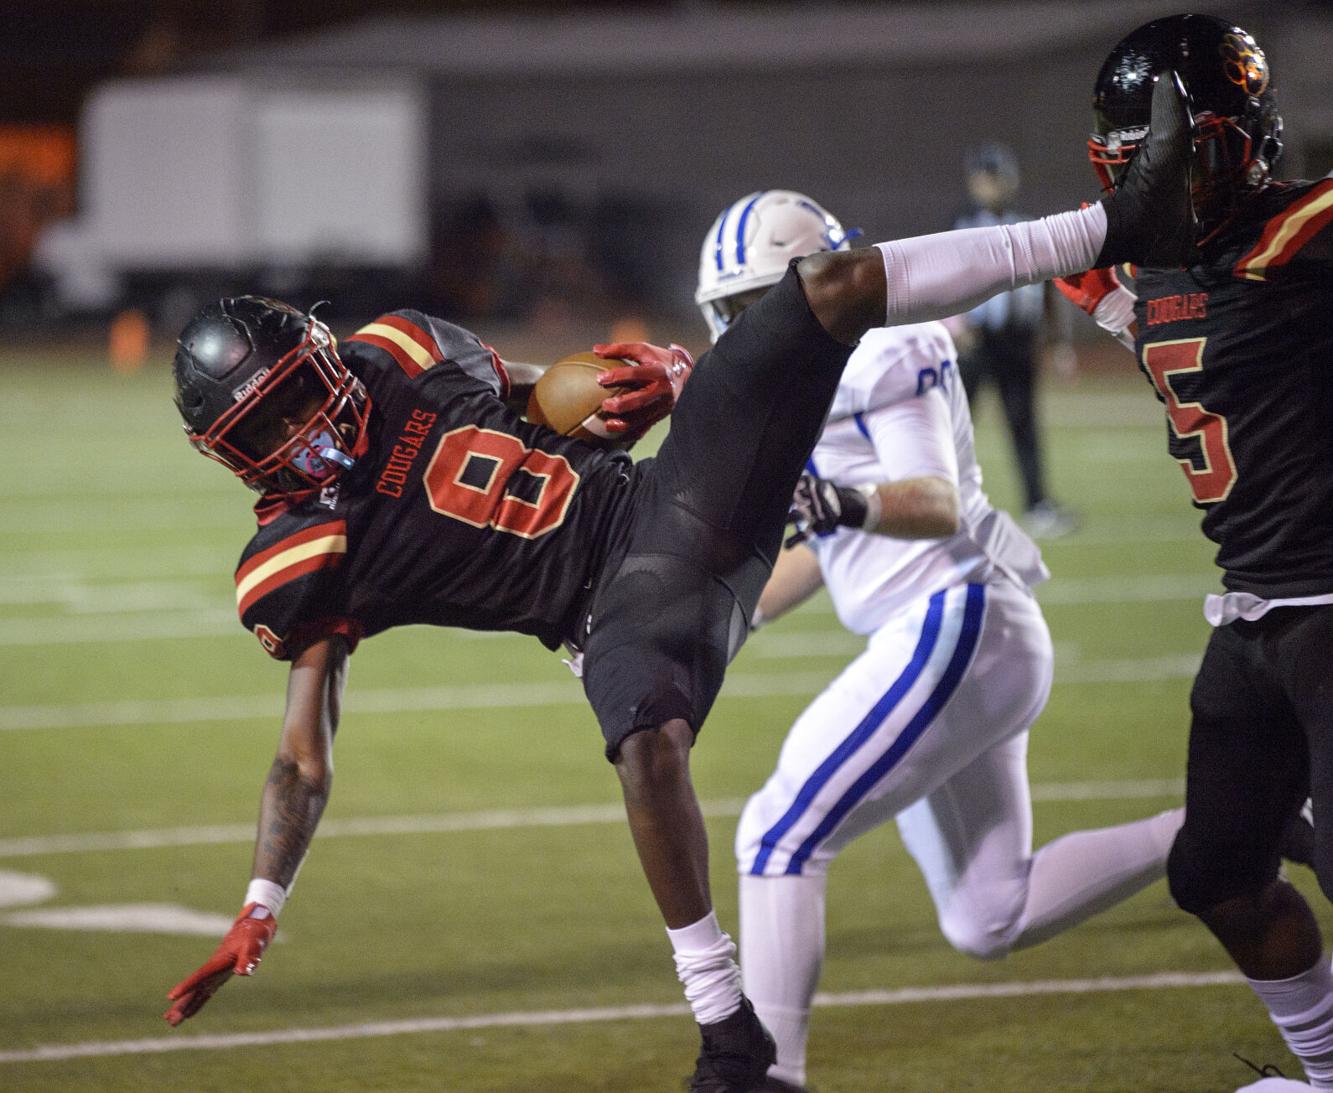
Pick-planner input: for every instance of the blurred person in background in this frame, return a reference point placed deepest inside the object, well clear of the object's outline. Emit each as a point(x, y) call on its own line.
point(929, 725)
point(400, 485)
point(1008, 339)
point(1237, 347)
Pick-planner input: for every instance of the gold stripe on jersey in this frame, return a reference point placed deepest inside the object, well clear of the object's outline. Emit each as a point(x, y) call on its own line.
point(1279, 249)
point(422, 357)
point(329, 544)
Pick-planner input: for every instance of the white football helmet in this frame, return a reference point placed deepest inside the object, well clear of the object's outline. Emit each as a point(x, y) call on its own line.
point(752, 241)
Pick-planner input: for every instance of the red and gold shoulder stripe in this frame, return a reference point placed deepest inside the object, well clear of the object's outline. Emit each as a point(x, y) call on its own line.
point(319, 547)
point(413, 348)
point(1288, 232)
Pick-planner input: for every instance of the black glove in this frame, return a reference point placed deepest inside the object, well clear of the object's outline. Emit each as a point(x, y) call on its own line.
point(820, 506)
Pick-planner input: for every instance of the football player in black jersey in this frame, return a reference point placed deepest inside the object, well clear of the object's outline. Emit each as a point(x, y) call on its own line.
point(399, 485)
point(1238, 347)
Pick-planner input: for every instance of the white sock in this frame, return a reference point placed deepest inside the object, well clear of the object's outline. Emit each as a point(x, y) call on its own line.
point(782, 953)
point(1302, 1009)
point(1077, 875)
point(934, 276)
point(706, 965)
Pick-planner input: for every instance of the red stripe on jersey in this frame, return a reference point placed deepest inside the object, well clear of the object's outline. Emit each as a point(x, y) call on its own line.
point(396, 351)
point(306, 634)
point(319, 531)
point(421, 337)
point(285, 576)
point(407, 361)
point(1265, 252)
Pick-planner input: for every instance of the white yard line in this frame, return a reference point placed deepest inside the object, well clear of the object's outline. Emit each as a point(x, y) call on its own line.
point(496, 696)
point(489, 820)
point(173, 609)
point(545, 1018)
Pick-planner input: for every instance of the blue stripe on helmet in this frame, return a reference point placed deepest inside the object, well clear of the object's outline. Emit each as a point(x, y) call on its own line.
point(953, 674)
point(740, 227)
point(721, 224)
point(930, 632)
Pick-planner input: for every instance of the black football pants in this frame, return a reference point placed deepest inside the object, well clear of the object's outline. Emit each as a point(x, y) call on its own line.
point(707, 519)
point(1261, 741)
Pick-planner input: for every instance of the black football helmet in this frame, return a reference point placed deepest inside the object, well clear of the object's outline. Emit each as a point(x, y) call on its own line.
point(1229, 83)
point(262, 390)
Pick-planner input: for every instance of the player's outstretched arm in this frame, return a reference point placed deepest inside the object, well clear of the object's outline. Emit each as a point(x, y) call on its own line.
point(294, 798)
point(1148, 220)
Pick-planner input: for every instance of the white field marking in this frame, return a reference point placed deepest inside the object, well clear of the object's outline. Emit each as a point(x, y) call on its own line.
point(503, 696)
point(135, 624)
point(120, 514)
point(103, 563)
point(545, 1018)
point(20, 889)
point(88, 598)
point(498, 696)
point(143, 626)
point(491, 820)
point(1117, 589)
point(135, 918)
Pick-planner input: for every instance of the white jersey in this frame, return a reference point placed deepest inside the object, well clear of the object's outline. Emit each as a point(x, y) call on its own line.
point(899, 413)
point(928, 726)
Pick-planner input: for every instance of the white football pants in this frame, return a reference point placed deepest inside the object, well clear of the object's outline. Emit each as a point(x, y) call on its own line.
point(928, 725)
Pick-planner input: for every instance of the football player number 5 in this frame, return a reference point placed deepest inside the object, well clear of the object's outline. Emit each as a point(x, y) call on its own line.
point(490, 479)
point(1210, 468)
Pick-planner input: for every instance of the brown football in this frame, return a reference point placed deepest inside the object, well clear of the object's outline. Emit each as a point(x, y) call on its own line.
point(568, 397)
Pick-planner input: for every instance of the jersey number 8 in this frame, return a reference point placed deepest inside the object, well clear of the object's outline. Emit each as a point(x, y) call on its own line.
point(490, 479)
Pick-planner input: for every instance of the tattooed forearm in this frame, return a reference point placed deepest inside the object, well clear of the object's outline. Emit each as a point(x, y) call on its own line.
point(288, 815)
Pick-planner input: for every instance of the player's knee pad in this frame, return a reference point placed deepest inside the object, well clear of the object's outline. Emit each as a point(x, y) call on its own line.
point(1202, 874)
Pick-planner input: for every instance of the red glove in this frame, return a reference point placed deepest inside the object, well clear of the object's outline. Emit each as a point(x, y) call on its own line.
point(239, 954)
point(1086, 290)
point(657, 375)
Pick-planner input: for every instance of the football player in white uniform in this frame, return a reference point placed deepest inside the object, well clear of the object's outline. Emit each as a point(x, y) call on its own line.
point(930, 724)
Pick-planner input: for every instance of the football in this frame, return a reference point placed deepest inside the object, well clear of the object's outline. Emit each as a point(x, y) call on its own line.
point(568, 397)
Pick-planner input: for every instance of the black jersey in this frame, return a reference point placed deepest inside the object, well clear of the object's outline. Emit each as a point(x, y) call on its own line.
point(460, 514)
point(1240, 351)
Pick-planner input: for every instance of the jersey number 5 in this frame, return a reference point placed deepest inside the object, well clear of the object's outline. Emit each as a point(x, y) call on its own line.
point(490, 479)
point(1213, 480)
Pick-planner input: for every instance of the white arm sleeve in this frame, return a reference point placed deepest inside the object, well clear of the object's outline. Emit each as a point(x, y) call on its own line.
point(933, 276)
point(914, 438)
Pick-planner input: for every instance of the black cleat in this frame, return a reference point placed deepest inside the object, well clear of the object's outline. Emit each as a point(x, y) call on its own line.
point(1150, 217)
point(737, 1052)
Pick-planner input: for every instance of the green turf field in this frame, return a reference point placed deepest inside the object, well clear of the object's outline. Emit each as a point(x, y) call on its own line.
point(472, 916)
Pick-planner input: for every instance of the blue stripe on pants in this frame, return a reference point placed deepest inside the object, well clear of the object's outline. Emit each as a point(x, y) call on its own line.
point(953, 674)
point(930, 632)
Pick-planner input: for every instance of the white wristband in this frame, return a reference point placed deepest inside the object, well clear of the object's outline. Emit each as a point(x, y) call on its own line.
point(874, 506)
point(267, 892)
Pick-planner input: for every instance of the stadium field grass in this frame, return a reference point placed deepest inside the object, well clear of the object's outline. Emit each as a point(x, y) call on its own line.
point(472, 917)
